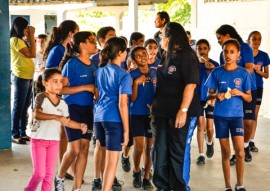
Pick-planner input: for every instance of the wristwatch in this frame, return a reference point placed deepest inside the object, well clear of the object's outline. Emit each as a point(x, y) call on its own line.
point(184, 109)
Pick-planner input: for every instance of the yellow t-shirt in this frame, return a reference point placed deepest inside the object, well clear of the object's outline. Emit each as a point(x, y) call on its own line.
point(21, 66)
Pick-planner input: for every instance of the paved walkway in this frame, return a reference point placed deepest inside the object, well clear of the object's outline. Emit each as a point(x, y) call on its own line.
point(16, 168)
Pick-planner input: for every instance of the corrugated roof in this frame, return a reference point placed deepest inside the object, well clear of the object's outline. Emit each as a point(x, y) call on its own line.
point(98, 2)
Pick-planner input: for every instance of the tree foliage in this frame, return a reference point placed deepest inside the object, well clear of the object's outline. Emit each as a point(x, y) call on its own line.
point(179, 10)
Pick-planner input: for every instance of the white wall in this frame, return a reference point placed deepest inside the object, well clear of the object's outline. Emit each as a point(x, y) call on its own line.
point(36, 17)
point(244, 16)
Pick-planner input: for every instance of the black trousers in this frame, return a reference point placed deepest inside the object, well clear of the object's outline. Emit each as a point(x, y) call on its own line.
point(171, 153)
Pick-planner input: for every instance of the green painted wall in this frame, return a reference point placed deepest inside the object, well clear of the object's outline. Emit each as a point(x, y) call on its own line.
point(5, 116)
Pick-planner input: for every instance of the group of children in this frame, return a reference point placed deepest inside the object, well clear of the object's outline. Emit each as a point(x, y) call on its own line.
point(110, 92)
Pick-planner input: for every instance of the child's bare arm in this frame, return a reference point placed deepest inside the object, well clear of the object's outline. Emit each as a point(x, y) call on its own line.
point(246, 96)
point(39, 115)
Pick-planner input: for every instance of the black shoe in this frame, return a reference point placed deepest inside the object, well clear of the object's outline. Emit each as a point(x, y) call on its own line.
point(125, 163)
point(210, 150)
point(252, 146)
point(117, 185)
point(143, 172)
point(241, 189)
point(137, 179)
point(59, 184)
point(147, 184)
point(96, 184)
point(229, 189)
point(201, 160)
point(233, 160)
point(248, 157)
point(69, 176)
point(19, 141)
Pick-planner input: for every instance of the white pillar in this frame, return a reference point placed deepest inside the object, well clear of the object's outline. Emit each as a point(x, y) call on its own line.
point(133, 15)
point(266, 92)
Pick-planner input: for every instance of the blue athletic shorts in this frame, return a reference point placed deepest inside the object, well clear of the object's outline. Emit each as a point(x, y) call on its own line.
point(249, 108)
point(109, 134)
point(140, 126)
point(80, 114)
point(226, 125)
point(259, 96)
point(207, 112)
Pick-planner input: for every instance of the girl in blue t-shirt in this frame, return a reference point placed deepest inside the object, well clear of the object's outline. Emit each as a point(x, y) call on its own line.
point(59, 38)
point(206, 66)
point(230, 84)
point(78, 92)
point(151, 47)
point(261, 62)
point(111, 109)
point(245, 60)
point(143, 89)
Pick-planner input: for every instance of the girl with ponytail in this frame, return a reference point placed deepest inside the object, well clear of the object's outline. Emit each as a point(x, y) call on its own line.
point(59, 38)
point(78, 92)
point(111, 109)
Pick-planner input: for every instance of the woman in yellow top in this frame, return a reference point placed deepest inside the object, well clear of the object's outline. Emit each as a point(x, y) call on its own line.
point(22, 67)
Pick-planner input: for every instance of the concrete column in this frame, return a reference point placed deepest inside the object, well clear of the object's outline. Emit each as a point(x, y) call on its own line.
point(119, 22)
point(5, 116)
point(61, 16)
point(133, 15)
point(266, 93)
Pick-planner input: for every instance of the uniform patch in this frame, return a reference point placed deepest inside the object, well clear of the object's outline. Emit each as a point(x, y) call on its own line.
point(171, 69)
point(237, 82)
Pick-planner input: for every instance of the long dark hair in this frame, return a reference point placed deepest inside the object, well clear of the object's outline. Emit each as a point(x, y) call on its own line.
point(111, 50)
point(46, 75)
point(18, 25)
point(73, 49)
point(58, 34)
point(228, 29)
point(178, 39)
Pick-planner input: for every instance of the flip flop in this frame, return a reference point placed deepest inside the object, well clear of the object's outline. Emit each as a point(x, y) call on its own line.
point(19, 141)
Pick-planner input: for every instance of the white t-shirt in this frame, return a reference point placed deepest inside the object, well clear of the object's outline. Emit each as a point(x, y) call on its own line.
point(49, 129)
point(39, 65)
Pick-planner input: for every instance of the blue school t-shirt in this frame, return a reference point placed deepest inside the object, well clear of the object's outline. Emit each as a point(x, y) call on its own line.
point(145, 93)
point(155, 64)
point(78, 74)
point(246, 56)
point(55, 56)
point(220, 79)
point(261, 58)
point(204, 73)
point(111, 81)
point(96, 58)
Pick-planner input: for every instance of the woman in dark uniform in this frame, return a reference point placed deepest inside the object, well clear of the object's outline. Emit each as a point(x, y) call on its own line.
point(175, 108)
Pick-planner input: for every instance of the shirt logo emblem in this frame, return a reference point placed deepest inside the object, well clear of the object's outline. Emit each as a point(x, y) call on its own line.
point(171, 69)
point(237, 82)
